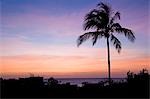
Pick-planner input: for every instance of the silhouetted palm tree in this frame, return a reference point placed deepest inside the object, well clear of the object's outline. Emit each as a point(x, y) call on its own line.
point(103, 21)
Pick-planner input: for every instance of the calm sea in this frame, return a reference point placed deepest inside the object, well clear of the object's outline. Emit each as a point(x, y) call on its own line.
point(79, 81)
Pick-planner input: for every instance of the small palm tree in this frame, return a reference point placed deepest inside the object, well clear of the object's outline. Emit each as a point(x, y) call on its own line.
point(103, 21)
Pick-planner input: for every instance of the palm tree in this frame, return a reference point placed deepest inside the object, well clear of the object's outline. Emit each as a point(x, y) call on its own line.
point(103, 22)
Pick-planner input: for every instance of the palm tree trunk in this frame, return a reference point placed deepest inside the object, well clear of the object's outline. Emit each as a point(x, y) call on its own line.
point(108, 51)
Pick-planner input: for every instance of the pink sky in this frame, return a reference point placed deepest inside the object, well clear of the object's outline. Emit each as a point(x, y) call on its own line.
point(40, 38)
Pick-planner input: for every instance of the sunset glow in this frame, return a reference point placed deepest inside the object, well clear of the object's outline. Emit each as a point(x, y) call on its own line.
point(39, 37)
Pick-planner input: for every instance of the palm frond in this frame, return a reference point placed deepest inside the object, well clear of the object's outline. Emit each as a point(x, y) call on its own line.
point(94, 39)
point(127, 32)
point(115, 17)
point(94, 35)
point(104, 19)
point(104, 7)
point(84, 37)
point(95, 20)
point(115, 26)
point(91, 15)
point(97, 35)
point(91, 24)
point(91, 20)
point(116, 43)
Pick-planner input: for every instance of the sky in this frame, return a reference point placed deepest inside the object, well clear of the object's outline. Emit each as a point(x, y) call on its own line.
point(39, 37)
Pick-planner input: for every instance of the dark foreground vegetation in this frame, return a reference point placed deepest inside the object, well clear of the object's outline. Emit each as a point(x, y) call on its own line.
point(136, 86)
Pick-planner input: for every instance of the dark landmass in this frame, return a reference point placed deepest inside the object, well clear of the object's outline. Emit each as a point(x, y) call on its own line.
point(136, 86)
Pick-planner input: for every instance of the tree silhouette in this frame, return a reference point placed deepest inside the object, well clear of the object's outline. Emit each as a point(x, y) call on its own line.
point(103, 20)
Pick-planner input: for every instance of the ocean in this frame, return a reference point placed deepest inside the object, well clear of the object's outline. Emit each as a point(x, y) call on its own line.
point(79, 81)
